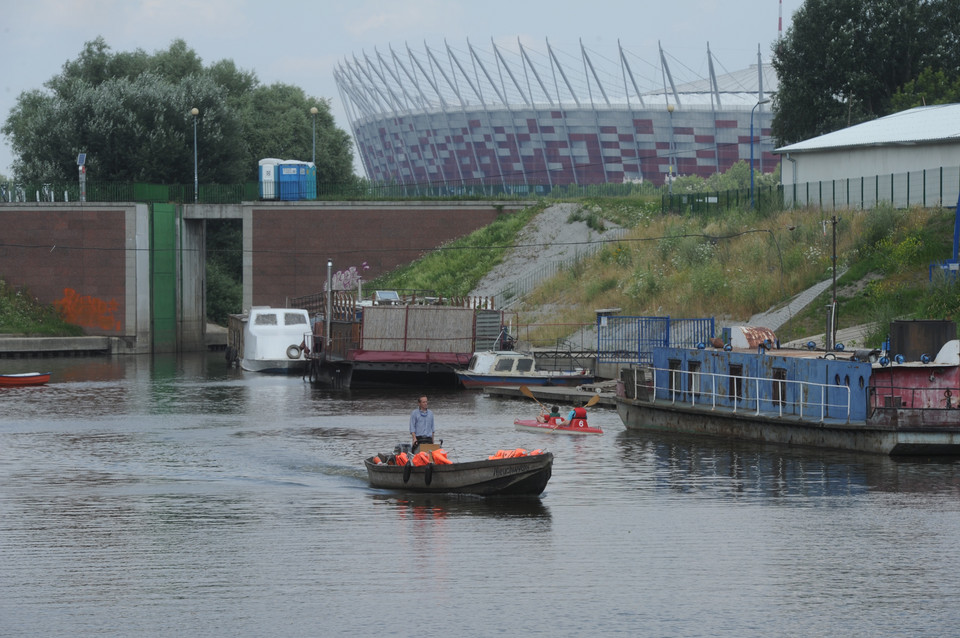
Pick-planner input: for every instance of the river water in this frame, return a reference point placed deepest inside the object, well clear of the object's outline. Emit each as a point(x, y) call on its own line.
point(157, 496)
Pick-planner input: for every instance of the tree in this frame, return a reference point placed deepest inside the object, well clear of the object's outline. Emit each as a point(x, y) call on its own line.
point(842, 61)
point(931, 87)
point(130, 113)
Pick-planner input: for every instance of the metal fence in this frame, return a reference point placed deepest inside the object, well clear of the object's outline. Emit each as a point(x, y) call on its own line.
point(632, 339)
point(101, 191)
point(926, 188)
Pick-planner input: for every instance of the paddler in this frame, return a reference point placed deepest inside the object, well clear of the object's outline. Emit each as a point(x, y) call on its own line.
point(578, 415)
point(421, 423)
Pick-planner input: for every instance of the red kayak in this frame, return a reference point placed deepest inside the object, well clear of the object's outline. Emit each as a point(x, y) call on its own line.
point(24, 378)
point(556, 425)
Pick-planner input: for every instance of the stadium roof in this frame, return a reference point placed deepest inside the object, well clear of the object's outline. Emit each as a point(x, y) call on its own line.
point(923, 124)
point(400, 79)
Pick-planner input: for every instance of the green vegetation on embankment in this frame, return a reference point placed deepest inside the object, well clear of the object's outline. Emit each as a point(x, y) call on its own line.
point(730, 265)
point(21, 313)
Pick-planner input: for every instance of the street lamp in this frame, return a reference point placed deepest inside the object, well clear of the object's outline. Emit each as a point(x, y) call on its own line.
point(194, 112)
point(763, 101)
point(313, 111)
point(672, 153)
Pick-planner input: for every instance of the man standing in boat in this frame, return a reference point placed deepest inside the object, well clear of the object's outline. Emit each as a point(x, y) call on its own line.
point(421, 423)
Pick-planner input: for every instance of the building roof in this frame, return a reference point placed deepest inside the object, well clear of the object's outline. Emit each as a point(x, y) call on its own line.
point(922, 124)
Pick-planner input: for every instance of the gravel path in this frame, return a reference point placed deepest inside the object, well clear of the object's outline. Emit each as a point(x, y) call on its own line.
point(548, 237)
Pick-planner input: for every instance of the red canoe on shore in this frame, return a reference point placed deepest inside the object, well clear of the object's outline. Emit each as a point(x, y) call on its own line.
point(556, 426)
point(24, 378)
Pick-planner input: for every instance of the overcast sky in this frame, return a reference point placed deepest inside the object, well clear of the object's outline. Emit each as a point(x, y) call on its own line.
point(301, 42)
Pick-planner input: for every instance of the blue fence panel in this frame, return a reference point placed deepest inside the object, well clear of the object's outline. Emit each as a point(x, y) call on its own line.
point(632, 339)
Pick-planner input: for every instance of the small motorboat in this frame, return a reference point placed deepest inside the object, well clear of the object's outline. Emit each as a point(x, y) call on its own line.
point(507, 367)
point(516, 475)
point(269, 340)
point(24, 378)
point(556, 425)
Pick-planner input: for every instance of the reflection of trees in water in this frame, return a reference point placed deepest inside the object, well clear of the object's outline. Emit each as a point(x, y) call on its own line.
point(702, 465)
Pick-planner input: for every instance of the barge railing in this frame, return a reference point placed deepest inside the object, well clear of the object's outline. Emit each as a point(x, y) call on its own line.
point(776, 400)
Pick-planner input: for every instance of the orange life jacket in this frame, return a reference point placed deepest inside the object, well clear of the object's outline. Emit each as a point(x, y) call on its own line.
point(440, 458)
point(421, 458)
point(402, 458)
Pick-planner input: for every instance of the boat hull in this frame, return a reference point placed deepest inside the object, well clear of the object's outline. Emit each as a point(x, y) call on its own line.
point(274, 366)
point(469, 380)
point(860, 436)
point(24, 378)
point(521, 476)
point(532, 425)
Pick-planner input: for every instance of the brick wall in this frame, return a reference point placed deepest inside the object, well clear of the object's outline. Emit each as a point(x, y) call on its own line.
point(291, 247)
point(72, 258)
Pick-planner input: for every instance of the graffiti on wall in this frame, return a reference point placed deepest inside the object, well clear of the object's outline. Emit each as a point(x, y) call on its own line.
point(88, 311)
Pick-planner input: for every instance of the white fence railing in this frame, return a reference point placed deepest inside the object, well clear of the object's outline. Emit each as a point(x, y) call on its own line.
point(808, 400)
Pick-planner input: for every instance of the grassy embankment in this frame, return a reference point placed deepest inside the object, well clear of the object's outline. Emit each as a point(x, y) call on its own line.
point(728, 265)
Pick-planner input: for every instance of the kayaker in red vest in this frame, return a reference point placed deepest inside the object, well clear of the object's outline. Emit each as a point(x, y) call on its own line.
point(578, 416)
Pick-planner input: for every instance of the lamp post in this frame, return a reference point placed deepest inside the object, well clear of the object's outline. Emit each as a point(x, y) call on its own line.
point(313, 112)
point(194, 112)
point(672, 153)
point(764, 101)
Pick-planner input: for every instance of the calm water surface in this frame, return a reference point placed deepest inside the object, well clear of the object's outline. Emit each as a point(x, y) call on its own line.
point(160, 496)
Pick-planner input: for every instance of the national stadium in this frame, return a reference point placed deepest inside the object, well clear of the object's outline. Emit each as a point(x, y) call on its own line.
point(530, 119)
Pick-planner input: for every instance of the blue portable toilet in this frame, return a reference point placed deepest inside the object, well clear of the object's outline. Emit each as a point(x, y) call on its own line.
point(290, 181)
point(268, 172)
point(310, 190)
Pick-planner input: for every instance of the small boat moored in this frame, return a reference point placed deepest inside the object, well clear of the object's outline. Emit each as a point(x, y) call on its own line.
point(554, 425)
point(269, 339)
point(510, 368)
point(514, 473)
point(24, 378)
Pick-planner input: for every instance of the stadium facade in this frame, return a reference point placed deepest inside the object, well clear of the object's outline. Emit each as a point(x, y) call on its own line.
point(526, 118)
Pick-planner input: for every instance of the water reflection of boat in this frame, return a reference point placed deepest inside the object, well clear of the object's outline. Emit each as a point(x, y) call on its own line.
point(24, 378)
point(692, 464)
point(449, 506)
point(516, 476)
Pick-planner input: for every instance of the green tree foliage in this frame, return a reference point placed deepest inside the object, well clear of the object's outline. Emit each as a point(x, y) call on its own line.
point(131, 113)
point(842, 61)
point(931, 87)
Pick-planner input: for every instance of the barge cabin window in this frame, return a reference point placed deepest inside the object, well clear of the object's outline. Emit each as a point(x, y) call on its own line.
point(673, 379)
point(780, 385)
point(693, 367)
point(736, 380)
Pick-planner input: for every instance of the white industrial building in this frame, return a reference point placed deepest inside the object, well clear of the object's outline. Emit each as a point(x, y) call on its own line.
point(908, 158)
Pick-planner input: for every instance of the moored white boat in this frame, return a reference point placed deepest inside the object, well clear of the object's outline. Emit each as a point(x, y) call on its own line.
point(269, 339)
point(507, 367)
